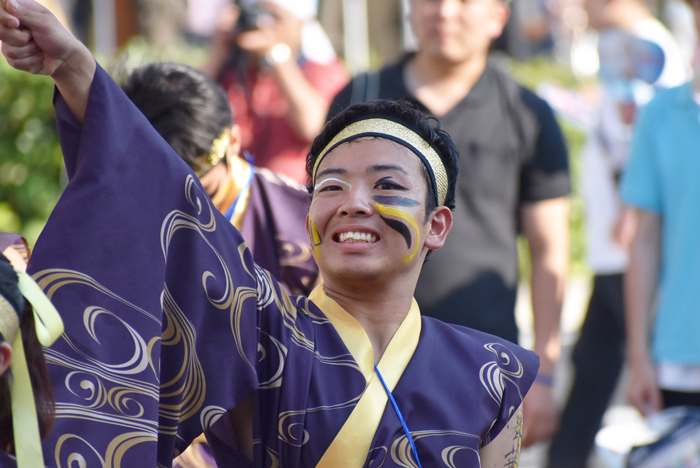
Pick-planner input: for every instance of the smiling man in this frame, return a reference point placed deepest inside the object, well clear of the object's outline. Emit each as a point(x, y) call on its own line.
point(172, 330)
point(515, 181)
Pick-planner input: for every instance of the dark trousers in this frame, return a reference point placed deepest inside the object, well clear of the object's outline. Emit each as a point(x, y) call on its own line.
point(598, 357)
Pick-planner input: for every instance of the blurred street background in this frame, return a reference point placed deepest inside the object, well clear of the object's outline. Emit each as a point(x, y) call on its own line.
point(547, 46)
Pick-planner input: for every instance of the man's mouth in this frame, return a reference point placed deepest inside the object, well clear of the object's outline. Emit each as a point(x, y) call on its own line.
point(356, 237)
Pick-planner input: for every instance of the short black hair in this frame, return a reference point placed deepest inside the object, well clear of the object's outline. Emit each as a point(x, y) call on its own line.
point(185, 106)
point(426, 126)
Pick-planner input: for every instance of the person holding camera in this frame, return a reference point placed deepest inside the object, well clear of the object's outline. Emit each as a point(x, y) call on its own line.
point(280, 74)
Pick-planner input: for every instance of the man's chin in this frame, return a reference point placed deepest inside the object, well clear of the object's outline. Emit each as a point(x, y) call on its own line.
point(358, 276)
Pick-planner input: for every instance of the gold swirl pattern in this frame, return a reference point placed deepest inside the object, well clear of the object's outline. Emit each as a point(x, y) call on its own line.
point(276, 379)
point(495, 374)
point(188, 385)
point(209, 415)
point(377, 460)
point(115, 451)
point(286, 424)
point(122, 443)
point(75, 458)
point(274, 458)
point(401, 452)
point(116, 394)
point(448, 454)
point(293, 253)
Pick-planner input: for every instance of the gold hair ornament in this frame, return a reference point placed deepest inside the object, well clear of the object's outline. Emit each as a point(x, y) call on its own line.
point(398, 133)
point(218, 149)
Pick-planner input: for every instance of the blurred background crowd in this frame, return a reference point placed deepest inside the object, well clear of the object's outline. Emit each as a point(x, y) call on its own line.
point(284, 68)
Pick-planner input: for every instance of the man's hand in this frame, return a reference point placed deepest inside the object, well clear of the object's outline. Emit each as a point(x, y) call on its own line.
point(624, 228)
point(540, 416)
point(643, 390)
point(33, 40)
point(279, 27)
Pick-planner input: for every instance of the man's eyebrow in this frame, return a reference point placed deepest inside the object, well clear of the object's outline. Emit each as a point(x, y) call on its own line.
point(331, 170)
point(386, 167)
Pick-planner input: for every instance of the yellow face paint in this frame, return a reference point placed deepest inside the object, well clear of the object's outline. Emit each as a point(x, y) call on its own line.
point(401, 214)
point(316, 239)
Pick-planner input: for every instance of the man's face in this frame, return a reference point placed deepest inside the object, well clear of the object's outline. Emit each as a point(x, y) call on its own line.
point(457, 30)
point(598, 13)
point(366, 221)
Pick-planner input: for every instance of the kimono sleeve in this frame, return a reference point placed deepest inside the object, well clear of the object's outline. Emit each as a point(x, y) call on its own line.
point(515, 371)
point(157, 290)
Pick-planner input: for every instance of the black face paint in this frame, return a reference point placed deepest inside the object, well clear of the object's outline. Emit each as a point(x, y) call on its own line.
point(401, 228)
point(395, 201)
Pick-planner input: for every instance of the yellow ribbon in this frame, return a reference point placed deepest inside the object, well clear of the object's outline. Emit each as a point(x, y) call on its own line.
point(49, 327)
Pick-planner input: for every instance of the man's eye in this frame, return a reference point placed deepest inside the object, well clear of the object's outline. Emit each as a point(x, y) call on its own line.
point(330, 188)
point(389, 186)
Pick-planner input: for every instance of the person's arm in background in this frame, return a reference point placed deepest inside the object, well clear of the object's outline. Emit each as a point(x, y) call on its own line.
point(222, 41)
point(545, 224)
point(308, 107)
point(641, 280)
point(33, 40)
point(641, 189)
point(544, 219)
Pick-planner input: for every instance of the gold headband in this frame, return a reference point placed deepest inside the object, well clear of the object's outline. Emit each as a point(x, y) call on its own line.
point(218, 149)
point(399, 134)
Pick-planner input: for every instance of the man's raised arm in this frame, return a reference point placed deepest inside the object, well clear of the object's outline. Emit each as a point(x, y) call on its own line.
point(33, 40)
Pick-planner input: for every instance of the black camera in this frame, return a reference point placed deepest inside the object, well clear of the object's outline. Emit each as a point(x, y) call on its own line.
point(252, 17)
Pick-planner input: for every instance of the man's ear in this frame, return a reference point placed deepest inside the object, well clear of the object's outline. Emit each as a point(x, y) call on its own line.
point(440, 225)
point(5, 356)
point(499, 18)
point(234, 146)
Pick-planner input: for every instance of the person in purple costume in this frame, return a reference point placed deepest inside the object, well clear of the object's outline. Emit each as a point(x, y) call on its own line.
point(172, 330)
point(21, 357)
point(191, 113)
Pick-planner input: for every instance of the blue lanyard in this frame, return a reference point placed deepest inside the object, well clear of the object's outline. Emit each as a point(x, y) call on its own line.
point(398, 413)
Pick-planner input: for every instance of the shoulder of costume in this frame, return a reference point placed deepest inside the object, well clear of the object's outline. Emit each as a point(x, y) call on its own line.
point(470, 341)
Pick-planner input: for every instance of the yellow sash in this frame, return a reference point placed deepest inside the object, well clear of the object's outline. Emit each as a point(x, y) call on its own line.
point(351, 446)
point(49, 327)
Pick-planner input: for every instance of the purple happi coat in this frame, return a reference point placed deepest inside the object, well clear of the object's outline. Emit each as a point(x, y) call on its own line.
point(170, 324)
point(273, 227)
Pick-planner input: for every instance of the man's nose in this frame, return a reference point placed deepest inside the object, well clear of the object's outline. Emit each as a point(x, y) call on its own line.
point(357, 202)
point(448, 8)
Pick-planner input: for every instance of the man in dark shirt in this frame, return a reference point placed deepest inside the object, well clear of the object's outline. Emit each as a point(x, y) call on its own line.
point(514, 177)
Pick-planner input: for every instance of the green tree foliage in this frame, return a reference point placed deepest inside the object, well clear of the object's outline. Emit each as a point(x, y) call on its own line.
point(30, 156)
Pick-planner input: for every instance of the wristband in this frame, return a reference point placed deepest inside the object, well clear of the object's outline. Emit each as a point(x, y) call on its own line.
point(545, 379)
point(277, 55)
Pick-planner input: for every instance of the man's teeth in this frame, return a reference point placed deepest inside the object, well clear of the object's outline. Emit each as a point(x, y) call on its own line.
point(357, 237)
